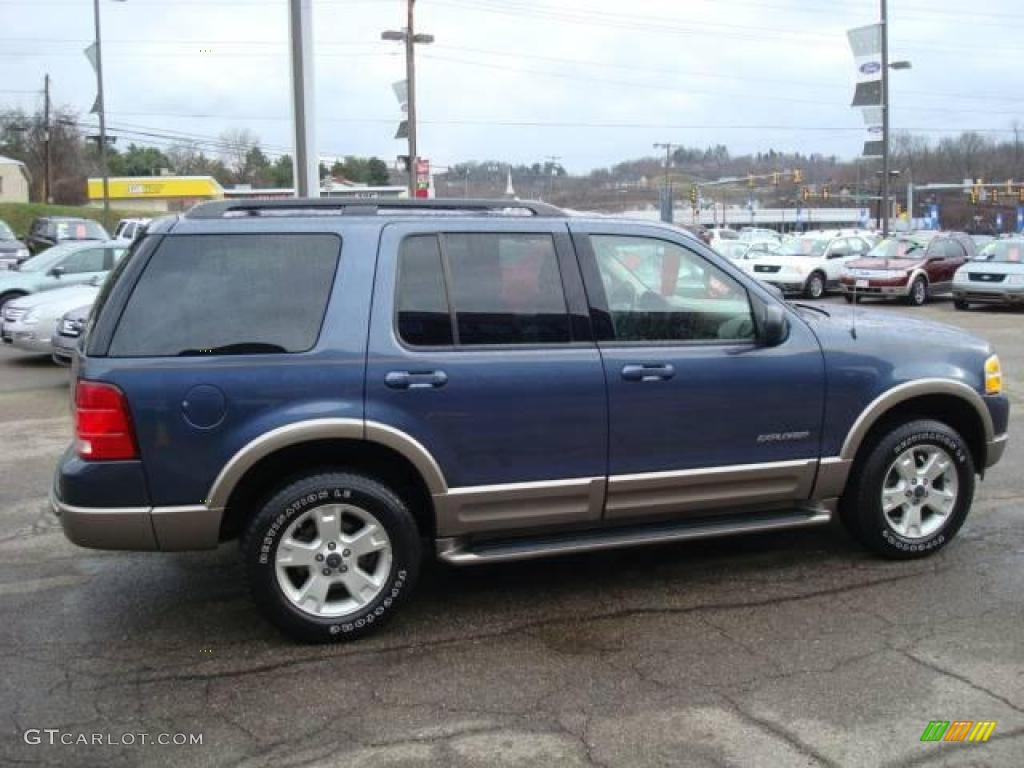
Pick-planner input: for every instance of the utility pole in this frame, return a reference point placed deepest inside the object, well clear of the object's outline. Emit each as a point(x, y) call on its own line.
point(409, 37)
point(666, 200)
point(553, 160)
point(46, 139)
point(101, 109)
point(885, 119)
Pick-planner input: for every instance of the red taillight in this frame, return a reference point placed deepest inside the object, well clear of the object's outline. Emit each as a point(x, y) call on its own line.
point(103, 425)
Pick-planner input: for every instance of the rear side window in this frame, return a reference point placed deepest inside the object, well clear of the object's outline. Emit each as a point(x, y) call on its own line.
point(481, 290)
point(229, 294)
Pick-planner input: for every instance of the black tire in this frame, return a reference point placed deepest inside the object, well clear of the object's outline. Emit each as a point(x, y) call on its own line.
point(10, 296)
point(918, 295)
point(815, 286)
point(961, 305)
point(262, 537)
point(861, 506)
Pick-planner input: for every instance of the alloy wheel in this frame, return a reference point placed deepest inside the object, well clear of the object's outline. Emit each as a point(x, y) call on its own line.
point(920, 491)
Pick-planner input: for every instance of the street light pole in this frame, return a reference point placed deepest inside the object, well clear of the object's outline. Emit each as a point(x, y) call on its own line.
point(100, 107)
point(666, 203)
point(885, 119)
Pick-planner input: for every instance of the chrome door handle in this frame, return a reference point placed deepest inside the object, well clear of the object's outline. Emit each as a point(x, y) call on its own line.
point(648, 372)
point(416, 379)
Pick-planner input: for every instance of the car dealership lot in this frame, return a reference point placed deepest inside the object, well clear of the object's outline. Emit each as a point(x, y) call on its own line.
point(795, 649)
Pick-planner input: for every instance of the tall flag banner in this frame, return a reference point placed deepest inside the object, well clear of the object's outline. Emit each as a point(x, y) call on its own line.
point(866, 44)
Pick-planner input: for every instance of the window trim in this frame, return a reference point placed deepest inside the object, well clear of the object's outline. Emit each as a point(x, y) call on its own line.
point(604, 329)
point(440, 236)
point(124, 299)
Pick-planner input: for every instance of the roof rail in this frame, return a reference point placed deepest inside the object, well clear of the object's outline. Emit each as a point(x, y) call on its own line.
point(220, 209)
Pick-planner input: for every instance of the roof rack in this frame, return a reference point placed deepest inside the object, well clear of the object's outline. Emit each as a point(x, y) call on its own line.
point(366, 207)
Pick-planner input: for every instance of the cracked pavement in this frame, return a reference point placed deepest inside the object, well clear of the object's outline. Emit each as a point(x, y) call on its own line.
point(794, 649)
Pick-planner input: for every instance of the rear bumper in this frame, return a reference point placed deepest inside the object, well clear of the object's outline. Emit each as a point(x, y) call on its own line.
point(123, 525)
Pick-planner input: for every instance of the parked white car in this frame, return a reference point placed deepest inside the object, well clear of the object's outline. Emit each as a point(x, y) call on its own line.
point(29, 322)
point(129, 229)
point(809, 265)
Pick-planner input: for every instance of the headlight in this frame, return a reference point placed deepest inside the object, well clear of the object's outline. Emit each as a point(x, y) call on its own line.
point(21, 253)
point(1015, 280)
point(993, 376)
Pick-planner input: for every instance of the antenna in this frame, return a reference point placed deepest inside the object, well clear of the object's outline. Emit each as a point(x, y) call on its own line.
point(853, 316)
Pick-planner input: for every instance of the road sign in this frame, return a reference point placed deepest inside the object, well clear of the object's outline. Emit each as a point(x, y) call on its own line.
point(422, 177)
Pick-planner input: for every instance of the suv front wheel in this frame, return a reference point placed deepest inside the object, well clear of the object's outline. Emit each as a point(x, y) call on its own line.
point(912, 492)
point(330, 556)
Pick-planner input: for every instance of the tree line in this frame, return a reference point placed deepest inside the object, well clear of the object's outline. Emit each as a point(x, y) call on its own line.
point(235, 157)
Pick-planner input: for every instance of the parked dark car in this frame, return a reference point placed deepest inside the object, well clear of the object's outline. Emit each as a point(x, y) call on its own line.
point(349, 386)
point(12, 250)
point(47, 231)
point(910, 267)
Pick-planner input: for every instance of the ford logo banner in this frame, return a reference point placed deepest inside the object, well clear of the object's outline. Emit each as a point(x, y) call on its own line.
point(871, 68)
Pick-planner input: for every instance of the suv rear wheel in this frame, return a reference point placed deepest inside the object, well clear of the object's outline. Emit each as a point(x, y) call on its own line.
point(912, 492)
point(330, 556)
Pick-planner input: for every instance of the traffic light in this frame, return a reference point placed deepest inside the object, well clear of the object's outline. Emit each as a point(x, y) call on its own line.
point(693, 196)
point(1009, 186)
point(798, 176)
point(826, 192)
point(750, 181)
point(775, 178)
point(899, 210)
point(974, 197)
point(995, 195)
point(1020, 194)
point(805, 194)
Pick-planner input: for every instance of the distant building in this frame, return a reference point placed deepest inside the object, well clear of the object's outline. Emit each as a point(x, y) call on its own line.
point(329, 187)
point(14, 181)
point(156, 193)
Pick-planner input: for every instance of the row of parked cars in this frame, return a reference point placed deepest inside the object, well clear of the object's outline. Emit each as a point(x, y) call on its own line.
point(45, 298)
point(914, 267)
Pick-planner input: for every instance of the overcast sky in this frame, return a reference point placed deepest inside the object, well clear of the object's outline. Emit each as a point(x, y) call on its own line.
point(590, 81)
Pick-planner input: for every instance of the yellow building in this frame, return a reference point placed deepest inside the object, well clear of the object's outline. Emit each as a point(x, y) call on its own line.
point(156, 193)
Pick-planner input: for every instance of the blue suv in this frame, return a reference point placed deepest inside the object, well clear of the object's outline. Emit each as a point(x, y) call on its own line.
point(344, 385)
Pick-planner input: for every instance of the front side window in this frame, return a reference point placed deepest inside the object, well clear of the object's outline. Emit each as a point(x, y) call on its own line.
point(232, 294)
point(88, 260)
point(658, 291)
point(481, 289)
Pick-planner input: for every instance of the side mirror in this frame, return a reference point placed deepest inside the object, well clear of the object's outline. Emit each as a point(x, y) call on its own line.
point(56, 272)
point(774, 327)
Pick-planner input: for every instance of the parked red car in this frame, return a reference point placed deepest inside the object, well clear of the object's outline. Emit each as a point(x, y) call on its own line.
point(912, 267)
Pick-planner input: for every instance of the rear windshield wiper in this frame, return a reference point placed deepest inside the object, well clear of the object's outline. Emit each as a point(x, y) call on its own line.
point(811, 307)
point(241, 348)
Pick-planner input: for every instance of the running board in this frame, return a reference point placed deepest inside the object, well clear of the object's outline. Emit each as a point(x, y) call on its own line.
point(460, 552)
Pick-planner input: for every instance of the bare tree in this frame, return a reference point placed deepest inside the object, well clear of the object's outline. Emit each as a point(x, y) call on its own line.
point(236, 144)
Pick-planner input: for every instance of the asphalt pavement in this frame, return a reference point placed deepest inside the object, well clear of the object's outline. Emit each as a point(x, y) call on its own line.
point(792, 649)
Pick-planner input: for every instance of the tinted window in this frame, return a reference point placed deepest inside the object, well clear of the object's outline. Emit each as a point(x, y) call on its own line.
point(506, 289)
point(89, 260)
point(229, 294)
point(424, 318)
point(659, 291)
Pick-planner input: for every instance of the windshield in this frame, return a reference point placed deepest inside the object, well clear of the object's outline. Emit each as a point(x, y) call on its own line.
point(895, 248)
point(733, 249)
point(80, 230)
point(804, 246)
point(1004, 251)
point(47, 258)
point(5, 232)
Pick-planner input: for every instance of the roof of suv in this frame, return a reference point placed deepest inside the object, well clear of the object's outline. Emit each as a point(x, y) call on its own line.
point(224, 209)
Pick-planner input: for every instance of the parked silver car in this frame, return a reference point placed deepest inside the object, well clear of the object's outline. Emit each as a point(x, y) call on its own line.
point(67, 334)
point(995, 276)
